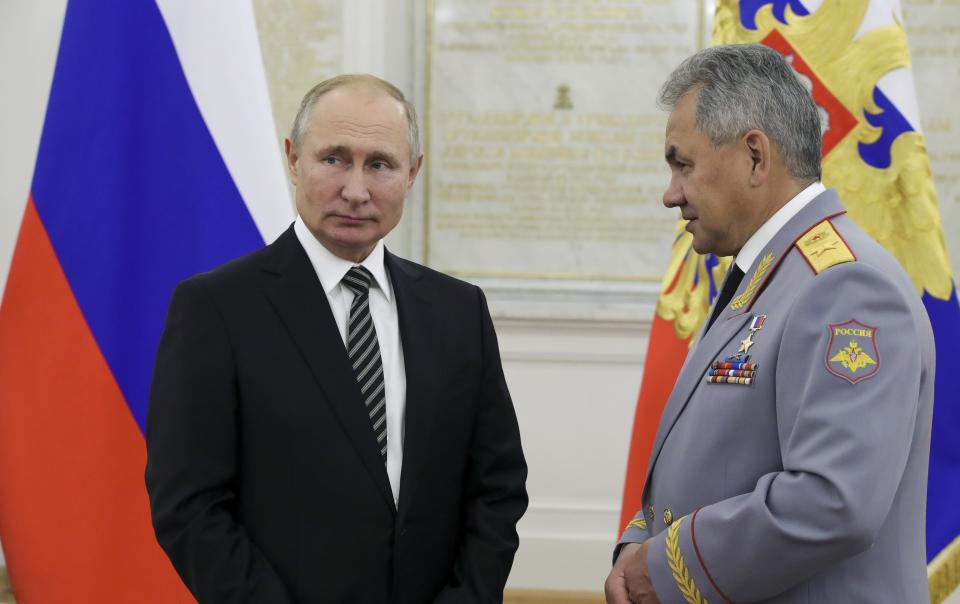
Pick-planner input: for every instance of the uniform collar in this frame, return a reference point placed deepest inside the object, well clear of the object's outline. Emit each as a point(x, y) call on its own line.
point(759, 240)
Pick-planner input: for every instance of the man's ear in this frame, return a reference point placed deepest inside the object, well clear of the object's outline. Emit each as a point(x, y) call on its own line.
point(758, 147)
point(414, 170)
point(292, 157)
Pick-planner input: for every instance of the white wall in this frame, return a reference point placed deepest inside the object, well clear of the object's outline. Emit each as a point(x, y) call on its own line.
point(574, 384)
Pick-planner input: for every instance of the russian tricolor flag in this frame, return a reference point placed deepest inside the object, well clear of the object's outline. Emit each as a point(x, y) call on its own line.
point(157, 160)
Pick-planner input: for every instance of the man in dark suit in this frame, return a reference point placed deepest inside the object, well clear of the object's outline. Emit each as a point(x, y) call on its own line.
point(328, 422)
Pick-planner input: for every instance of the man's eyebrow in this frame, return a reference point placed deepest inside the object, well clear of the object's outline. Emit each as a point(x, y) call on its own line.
point(344, 150)
point(331, 150)
point(386, 156)
point(673, 156)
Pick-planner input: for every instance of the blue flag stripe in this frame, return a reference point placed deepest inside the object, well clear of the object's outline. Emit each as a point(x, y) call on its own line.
point(129, 183)
point(943, 491)
point(892, 124)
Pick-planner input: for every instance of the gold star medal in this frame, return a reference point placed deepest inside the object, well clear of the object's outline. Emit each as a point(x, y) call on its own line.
point(737, 369)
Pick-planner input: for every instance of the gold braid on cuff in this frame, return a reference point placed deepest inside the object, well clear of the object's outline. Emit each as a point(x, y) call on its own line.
point(639, 523)
point(691, 593)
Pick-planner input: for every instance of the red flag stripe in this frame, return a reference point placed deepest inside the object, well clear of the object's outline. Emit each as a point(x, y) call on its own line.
point(72, 498)
point(665, 356)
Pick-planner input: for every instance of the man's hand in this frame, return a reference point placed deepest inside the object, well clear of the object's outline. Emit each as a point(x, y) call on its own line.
point(629, 581)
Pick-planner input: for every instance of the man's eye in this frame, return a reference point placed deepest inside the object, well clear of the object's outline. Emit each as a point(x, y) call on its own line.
point(330, 160)
point(379, 165)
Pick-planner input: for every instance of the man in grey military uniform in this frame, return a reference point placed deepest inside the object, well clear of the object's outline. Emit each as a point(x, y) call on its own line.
point(790, 462)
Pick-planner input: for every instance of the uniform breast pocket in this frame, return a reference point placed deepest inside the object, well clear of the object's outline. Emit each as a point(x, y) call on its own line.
point(738, 425)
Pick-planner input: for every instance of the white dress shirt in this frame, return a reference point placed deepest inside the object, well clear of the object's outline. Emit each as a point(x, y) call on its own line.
point(759, 240)
point(383, 310)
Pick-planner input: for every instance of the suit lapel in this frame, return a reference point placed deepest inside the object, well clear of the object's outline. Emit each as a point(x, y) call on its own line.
point(298, 297)
point(415, 312)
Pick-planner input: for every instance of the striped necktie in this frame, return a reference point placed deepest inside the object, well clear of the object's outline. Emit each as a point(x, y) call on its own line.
point(364, 353)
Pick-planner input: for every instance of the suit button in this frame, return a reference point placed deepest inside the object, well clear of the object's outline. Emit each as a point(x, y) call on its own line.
point(403, 532)
point(667, 516)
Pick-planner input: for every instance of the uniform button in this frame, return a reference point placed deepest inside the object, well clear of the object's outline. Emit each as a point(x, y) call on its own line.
point(667, 516)
point(651, 512)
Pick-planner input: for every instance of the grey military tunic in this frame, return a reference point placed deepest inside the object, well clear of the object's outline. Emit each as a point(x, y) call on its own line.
point(790, 463)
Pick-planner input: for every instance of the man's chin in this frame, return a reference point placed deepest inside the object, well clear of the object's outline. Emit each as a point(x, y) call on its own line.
point(354, 249)
point(700, 247)
point(703, 247)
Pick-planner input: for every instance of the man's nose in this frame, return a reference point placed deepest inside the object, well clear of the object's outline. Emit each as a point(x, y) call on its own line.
point(673, 195)
point(355, 188)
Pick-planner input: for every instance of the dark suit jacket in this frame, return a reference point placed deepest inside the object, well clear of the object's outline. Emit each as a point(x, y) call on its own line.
point(264, 478)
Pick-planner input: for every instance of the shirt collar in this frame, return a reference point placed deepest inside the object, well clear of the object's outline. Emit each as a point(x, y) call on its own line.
point(331, 268)
point(759, 240)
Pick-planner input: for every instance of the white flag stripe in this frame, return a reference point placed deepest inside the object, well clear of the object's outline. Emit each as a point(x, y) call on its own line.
point(216, 41)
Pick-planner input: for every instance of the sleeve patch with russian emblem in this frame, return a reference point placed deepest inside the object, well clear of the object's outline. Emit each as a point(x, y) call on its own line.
point(823, 247)
point(852, 353)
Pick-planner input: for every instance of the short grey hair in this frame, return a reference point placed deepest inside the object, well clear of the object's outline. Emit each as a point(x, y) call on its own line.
point(301, 121)
point(747, 86)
